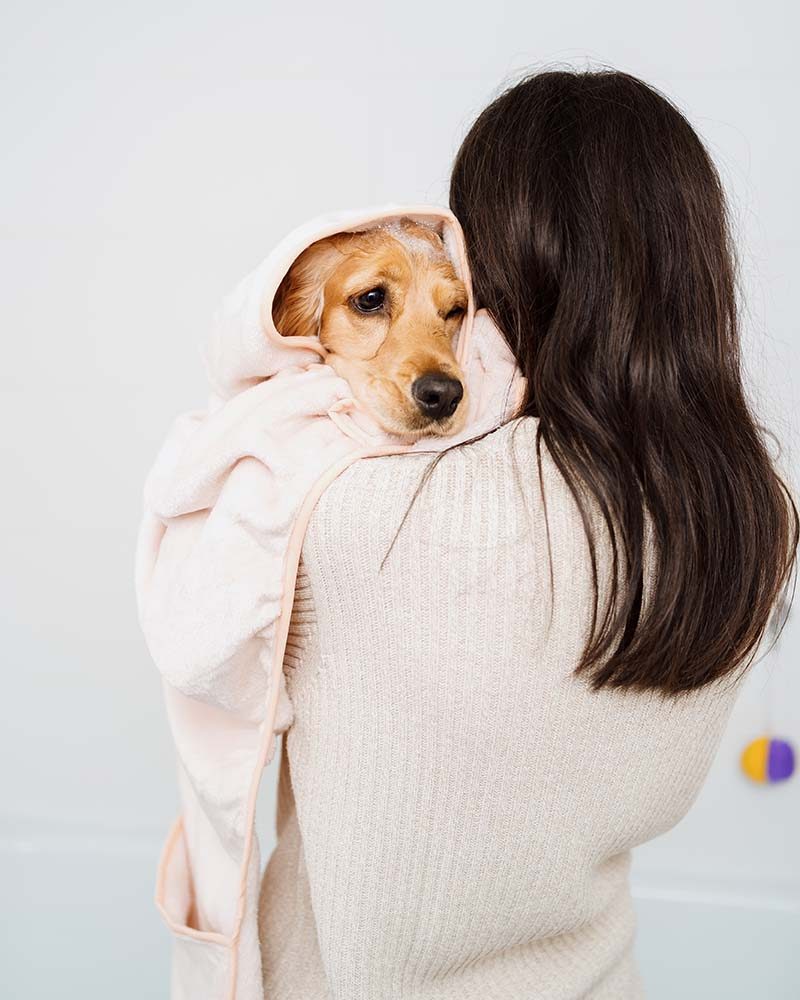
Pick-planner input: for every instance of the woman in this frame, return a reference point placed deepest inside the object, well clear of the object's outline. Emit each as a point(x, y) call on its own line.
point(506, 676)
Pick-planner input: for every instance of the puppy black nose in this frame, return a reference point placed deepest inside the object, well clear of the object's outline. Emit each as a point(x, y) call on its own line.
point(437, 396)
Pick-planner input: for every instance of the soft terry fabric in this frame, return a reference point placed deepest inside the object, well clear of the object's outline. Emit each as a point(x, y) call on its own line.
point(226, 507)
point(456, 808)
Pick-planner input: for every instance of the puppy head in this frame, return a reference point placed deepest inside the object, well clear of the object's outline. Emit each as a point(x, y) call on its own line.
point(386, 304)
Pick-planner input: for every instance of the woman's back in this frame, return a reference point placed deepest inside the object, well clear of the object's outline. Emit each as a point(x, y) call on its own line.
point(456, 808)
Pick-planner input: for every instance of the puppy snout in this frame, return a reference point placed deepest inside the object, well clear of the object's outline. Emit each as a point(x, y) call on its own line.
point(437, 396)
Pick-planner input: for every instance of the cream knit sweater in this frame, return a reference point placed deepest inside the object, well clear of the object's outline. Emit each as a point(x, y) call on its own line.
point(456, 809)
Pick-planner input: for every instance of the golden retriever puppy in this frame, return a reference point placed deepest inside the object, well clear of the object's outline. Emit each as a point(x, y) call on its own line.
point(386, 304)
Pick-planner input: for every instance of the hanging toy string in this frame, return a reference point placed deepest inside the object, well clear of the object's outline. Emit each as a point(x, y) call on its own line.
point(769, 759)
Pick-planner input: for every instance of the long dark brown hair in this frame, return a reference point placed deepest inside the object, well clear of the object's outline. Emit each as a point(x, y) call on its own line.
point(598, 239)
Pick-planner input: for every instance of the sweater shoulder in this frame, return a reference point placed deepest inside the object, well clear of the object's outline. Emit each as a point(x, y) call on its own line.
point(494, 481)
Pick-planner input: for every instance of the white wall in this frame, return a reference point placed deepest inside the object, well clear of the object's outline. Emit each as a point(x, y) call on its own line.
point(152, 154)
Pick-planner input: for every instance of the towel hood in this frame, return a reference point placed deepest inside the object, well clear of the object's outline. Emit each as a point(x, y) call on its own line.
point(245, 348)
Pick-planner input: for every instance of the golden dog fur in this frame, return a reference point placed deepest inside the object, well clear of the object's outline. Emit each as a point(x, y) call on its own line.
point(386, 303)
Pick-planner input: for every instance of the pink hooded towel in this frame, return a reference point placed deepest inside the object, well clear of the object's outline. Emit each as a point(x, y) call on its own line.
point(226, 507)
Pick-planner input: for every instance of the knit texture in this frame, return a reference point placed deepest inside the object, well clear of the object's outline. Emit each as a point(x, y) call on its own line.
point(456, 809)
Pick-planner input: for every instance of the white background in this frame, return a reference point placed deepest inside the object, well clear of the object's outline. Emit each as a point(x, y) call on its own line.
point(152, 154)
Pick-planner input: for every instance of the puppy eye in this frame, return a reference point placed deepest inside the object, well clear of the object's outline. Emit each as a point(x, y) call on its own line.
point(371, 301)
point(455, 312)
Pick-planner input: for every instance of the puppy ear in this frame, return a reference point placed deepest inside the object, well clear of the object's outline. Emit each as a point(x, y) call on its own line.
point(299, 302)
